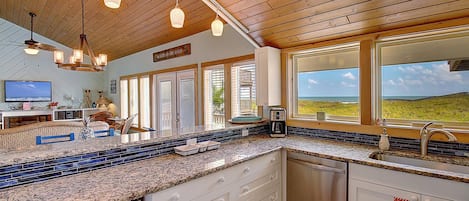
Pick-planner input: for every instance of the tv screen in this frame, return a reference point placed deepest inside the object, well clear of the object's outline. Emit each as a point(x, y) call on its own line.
point(25, 91)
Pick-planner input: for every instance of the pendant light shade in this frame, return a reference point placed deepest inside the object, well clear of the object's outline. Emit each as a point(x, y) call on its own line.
point(217, 27)
point(58, 57)
point(177, 16)
point(31, 51)
point(112, 3)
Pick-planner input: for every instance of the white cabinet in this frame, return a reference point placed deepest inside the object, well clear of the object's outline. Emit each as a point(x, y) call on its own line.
point(73, 114)
point(256, 180)
point(268, 76)
point(370, 184)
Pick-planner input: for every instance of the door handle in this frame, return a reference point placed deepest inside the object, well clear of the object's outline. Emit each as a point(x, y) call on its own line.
point(318, 167)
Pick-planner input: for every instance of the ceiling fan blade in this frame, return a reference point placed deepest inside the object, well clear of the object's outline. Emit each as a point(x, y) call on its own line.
point(46, 47)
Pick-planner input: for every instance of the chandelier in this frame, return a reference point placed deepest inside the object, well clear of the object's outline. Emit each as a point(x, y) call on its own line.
point(76, 60)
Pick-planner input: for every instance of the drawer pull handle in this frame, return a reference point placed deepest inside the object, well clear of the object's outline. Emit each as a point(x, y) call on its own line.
point(221, 180)
point(246, 170)
point(174, 197)
point(245, 189)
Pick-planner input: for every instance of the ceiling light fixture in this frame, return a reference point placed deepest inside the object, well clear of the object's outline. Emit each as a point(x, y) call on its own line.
point(112, 3)
point(76, 60)
point(31, 51)
point(177, 16)
point(217, 26)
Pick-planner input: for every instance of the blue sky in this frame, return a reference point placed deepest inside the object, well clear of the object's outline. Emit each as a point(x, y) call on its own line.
point(419, 79)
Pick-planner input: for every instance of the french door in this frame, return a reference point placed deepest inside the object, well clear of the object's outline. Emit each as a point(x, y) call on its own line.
point(175, 100)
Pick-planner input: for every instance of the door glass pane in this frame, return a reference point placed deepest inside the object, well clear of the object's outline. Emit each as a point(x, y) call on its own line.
point(134, 99)
point(187, 107)
point(214, 99)
point(165, 100)
point(124, 98)
point(145, 101)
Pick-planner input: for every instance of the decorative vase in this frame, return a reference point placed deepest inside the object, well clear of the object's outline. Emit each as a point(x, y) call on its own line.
point(86, 132)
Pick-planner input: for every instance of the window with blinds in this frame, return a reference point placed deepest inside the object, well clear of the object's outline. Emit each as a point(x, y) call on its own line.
point(243, 89)
point(214, 98)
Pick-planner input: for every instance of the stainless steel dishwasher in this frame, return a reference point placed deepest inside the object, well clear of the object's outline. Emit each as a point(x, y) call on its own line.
point(312, 178)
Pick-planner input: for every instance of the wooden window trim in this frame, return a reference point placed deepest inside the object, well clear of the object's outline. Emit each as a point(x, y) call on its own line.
point(367, 122)
point(227, 63)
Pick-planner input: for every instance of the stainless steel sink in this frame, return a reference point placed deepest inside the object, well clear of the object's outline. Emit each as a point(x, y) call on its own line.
point(451, 164)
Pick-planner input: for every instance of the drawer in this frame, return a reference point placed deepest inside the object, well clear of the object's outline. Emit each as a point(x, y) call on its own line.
point(217, 181)
point(260, 186)
point(193, 189)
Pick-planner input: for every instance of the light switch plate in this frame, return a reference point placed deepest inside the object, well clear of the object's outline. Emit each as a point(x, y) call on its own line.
point(244, 132)
point(191, 141)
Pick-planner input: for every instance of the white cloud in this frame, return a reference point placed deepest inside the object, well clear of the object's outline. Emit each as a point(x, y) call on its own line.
point(345, 84)
point(311, 81)
point(349, 75)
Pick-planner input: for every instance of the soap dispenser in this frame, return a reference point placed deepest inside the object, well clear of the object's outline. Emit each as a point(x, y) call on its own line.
point(384, 141)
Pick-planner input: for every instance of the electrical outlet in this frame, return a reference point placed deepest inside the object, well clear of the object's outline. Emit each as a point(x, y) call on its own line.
point(191, 141)
point(245, 132)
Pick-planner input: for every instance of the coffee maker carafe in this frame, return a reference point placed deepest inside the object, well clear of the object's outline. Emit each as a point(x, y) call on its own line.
point(278, 126)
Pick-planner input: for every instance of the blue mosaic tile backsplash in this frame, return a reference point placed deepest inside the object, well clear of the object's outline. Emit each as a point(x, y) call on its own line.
point(434, 147)
point(24, 173)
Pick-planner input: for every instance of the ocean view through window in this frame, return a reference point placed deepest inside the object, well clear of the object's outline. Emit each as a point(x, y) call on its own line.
point(327, 80)
point(424, 78)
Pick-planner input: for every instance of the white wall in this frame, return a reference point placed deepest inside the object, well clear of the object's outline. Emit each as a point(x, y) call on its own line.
point(204, 47)
point(16, 65)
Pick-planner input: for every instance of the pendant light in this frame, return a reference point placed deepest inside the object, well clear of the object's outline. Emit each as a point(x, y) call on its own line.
point(76, 61)
point(217, 27)
point(177, 16)
point(112, 3)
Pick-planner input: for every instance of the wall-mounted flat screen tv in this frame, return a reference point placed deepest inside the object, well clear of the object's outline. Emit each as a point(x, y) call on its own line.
point(26, 91)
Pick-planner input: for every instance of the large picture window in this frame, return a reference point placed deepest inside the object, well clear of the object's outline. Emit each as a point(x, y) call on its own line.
point(424, 78)
point(326, 80)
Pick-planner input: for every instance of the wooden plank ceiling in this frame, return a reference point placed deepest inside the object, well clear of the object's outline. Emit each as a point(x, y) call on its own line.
point(290, 23)
point(135, 26)
point(141, 24)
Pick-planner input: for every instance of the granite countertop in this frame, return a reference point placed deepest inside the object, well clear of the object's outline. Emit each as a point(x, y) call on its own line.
point(54, 150)
point(134, 180)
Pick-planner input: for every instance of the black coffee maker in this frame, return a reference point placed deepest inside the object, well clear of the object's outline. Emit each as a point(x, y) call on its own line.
point(278, 124)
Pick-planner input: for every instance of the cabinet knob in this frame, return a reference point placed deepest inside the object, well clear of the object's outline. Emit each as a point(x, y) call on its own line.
point(246, 170)
point(245, 189)
point(273, 160)
point(272, 177)
point(221, 180)
point(175, 197)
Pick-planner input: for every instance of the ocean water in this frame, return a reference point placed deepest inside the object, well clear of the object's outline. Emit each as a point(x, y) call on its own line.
point(354, 99)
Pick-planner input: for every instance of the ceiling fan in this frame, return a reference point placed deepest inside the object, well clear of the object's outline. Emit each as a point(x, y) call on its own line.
point(34, 46)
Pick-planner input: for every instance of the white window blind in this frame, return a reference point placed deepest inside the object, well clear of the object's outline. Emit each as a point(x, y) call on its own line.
point(243, 89)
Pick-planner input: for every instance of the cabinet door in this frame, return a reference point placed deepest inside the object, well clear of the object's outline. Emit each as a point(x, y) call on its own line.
point(429, 198)
point(364, 191)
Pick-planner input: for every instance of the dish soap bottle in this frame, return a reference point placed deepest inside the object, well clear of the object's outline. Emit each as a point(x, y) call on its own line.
point(384, 141)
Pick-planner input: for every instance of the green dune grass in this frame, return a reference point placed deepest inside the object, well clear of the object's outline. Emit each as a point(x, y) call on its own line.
point(453, 107)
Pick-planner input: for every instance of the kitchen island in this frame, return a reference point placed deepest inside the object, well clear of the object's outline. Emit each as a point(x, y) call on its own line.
point(136, 179)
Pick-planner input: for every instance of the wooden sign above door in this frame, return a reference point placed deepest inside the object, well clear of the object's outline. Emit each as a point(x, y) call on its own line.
point(174, 52)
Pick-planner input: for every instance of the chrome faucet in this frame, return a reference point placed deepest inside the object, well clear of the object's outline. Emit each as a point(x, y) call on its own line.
point(425, 136)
